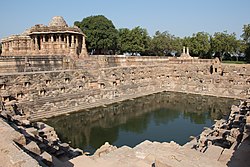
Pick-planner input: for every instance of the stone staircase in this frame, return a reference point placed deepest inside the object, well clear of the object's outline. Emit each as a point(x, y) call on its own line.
point(149, 154)
point(41, 110)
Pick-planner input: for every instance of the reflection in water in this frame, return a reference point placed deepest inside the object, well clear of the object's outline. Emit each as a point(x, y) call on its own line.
point(159, 117)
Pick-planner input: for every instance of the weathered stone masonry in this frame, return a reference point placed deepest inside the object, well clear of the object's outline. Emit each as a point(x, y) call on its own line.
point(55, 39)
point(44, 94)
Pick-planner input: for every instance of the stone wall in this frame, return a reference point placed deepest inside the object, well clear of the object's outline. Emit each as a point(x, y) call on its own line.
point(10, 64)
point(45, 94)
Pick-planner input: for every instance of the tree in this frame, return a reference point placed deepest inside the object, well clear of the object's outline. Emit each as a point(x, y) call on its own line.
point(223, 43)
point(123, 42)
point(101, 34)
point(246, 33)
point(164, 44)
point(246, 38)
point(133, 41)
point(177, 45)
point(160, 43)
point(200, 44)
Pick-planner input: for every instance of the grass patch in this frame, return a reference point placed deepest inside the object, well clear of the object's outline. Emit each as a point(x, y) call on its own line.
point(234, 62)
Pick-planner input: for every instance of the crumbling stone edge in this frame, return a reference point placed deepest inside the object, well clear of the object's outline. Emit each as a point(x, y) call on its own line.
point(41, 142)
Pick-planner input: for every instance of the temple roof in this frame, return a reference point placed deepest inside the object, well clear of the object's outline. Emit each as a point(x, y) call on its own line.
point(57, 21)
point(56, 25)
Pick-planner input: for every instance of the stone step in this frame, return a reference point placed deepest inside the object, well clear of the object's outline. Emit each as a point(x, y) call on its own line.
point(85, 105)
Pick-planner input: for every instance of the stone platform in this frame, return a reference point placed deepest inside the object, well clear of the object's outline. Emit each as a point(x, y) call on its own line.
point(10, 154)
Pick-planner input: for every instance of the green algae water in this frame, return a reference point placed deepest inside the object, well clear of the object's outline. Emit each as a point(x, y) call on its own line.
point(161, 117)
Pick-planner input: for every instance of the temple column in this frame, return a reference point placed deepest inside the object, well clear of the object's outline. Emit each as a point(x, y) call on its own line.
point(64, 42)
point(51, 38)
point(3, 48)
point(77, 41)
point(67, 41)
point(77, 44)
point(15, 47)
point(67, 46)
point(43, 43)
point(72, 48)
point(10, 47)
point(60, 42)
point(72, 41)
point(36, 43)
point(32, 44)
point(51, 44)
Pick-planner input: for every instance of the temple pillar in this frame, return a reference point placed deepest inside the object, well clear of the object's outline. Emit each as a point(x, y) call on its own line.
point(67, 44)
point(72, 47)
point(77, 41)
point(51, 44)
point(42, 43)
point(36, 43)
point(72, 41)
point(183, 50)
point(15, 47)
point(60, 42)
point(77, 45)
point(51, 38)
point(4, 48)
point(187, 51)
point(32, 44)
point(67, 41)
point(64, 42)
point(10, 47)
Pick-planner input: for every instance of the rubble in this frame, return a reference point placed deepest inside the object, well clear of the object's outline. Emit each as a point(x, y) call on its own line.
point(33, 147)
point(225, 136)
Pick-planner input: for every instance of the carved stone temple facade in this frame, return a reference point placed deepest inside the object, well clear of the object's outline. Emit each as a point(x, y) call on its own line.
point(55, 39)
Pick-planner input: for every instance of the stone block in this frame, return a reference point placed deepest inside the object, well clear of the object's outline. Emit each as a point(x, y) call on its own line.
point(33, 147)
point(226, 155)
point(19, 138)
point(159, 163)
point(235, 132)
point(64, 146)
point(46, 156)
point(248, 119)
point(40, 125)
point(213, 152)
point(104, 149)
point(235, 109)
point(32, 131)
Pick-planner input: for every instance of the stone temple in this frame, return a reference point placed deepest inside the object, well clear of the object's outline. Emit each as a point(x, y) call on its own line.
point(55, 39)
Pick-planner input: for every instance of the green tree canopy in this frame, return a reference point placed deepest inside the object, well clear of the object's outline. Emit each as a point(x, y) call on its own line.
point(133, 41)
point(246, 33)
point(160, 43)
point(101, 34)
point(200, 44)
point(223, 43)
point(163, 43)
point(246, 44)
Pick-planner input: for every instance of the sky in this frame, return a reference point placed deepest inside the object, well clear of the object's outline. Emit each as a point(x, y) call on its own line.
point(178, 17)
